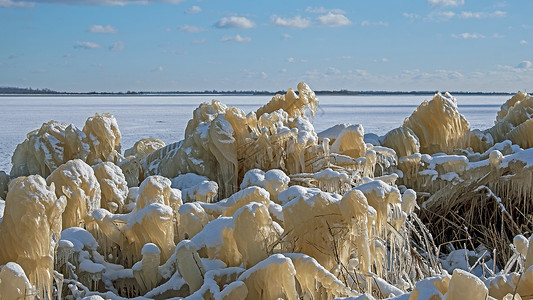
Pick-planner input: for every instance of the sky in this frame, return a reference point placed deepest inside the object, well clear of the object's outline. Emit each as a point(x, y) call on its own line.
point(196, 45)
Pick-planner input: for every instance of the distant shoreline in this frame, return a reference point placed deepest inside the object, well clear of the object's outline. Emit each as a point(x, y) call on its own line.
point(247, 93)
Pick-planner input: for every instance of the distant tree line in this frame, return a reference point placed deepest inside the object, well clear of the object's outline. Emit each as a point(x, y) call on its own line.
point(24, 91)
point(27, 91)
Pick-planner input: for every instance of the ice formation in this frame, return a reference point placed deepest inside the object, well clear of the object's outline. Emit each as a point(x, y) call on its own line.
point(259, 206)
point(152, 221)
point(132, 164)
point(29, 231)
point(513, 121)
point(4, 182)
point(103, 137)
point(76, 181)
point(222, 143)
point(439, 126)
point(13, 282)
point(403, 140)
point(350, 142)
point(113, 185)
point(47, 148)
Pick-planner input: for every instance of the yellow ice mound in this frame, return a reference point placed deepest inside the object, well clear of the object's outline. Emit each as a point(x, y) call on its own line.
point(192, 219)
point(4, 182)
point(439, 126)
point(272, 278)
point(146, 271)
point(254, 233)
point(350, 142)
point(293, 104)
point(103, 137)
point(342, 226)
point(514, 121)
point(274, 181)
point(113, 186)
point(13, 282)
point(403, 141)
point(506, 107)
point(222, 143)
point(29, 230)
point(76, 181)
point(246, 237)
point(154, 220)
point(55, 143)
point(132, 164)
point(144, 147)
point(47, 148)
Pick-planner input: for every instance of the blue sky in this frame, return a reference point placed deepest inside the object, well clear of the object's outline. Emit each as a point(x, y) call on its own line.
point(120, 45)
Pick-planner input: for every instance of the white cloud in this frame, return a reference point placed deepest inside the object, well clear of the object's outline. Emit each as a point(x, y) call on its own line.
point(193, 10)
point(157, 69)
point(411, 16)
point(296, 22)
point(333, 71)
point(359, 73)
point(235, 22)
point(452, 74)
point(236, 39)
point(200, 41)
point(19, 4)
point(102, 29)
point(524, 65)
point(381, 60)
point(290, 59)
point(379, 23)
point(191, 29)
point(322, 10)
point(435, 75)
point(440, 16)
point(445, 3)
point(446, 14)
point(87, 2)
point(286, 36)
point(333, 20)
point(523, 42)
point(476, 74)
point(117, 46)
point(251, 74)
point(481, 15)
point(467, 35)
point(498, 36)
point(87, 45)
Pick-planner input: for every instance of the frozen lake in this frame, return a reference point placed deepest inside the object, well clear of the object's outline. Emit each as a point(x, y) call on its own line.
point(165, 117)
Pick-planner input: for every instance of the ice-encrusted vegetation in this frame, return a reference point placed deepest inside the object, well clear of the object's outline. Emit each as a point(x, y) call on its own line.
point(260, 206)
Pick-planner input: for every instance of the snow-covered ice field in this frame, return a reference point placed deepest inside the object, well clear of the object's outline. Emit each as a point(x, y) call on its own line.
point(165, 117)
